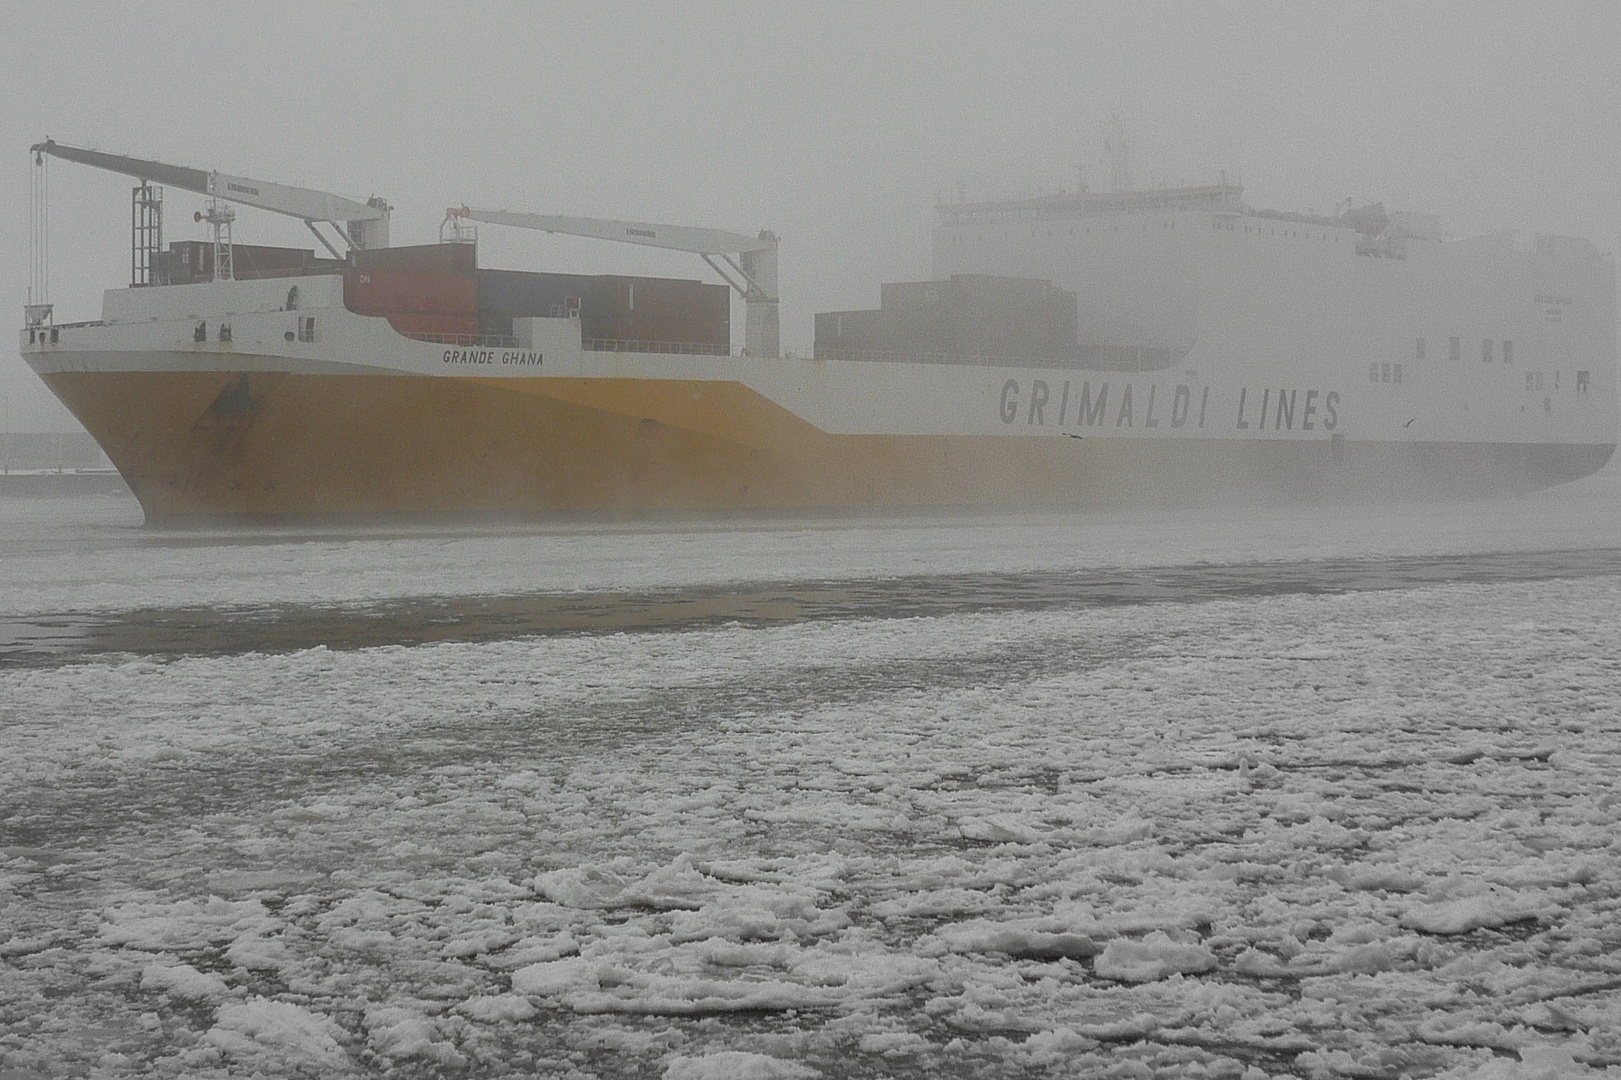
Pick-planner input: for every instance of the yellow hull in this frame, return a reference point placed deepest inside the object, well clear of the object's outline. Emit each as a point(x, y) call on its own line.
point(279, 444)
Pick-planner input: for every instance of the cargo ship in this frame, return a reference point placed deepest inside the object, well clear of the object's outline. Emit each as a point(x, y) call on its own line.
point(1085, 349)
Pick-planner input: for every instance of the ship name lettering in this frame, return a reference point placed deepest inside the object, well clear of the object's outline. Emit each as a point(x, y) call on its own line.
point(1125, 408)
point(1010, 400)
point(1315, 409)
point(1291, 402)
point(1038, 403)
point(1179, 405)
point(1289, 415)
point(469, 356)
point(1088, 411)
point(522, 359)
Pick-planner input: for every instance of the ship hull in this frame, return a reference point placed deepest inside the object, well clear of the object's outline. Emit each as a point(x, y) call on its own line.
point(203, 445)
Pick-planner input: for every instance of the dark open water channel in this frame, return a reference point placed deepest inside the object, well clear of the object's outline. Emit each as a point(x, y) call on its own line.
point(189, 631)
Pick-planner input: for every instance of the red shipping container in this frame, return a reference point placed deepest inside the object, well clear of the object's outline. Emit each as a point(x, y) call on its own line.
point(378, 292)
point(419, 259)
point(435, 324)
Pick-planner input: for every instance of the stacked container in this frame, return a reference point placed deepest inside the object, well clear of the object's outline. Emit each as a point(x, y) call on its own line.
point(969, 315)
point(657, 315)
point(424, 292)
point(504, 295)
point(632, 314)
point(189, 261)
point(437, 292)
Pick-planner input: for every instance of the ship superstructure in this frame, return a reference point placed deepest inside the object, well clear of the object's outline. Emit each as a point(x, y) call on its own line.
point(1068, 350)
point(1490, 339)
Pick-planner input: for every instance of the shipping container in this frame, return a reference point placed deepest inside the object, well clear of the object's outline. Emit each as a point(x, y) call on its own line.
point(457, 327)
point(189, 261)
point(377, 292)
point(522, 294)
point(970, 315)
point(420, 259)
point(657, 310)
point(611, 308)
point(505, 295)
point(494, 324)
point(850, 329)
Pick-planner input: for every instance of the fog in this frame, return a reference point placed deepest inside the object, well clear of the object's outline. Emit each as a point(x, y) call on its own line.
point(1102, 751)
point(836, 125)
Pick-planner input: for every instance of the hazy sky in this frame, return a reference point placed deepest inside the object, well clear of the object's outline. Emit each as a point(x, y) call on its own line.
point(835, 124)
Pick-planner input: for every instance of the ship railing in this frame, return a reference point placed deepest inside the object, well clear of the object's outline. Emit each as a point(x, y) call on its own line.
point(506, 341)
point(679, 348)
point(70, 325)
point(473, 341)
point(51, 332)
point(1096, 358)
point(897, 356)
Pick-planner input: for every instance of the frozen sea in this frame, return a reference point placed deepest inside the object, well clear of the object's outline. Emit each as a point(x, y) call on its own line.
point(1251, 793)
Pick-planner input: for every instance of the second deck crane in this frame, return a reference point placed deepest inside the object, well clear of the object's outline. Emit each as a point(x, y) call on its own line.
point(753, 273)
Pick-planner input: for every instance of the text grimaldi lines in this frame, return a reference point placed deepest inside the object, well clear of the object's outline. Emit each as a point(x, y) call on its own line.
point(1129, 405)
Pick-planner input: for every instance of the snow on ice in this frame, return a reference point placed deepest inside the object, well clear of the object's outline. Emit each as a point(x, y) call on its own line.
point(1361, 835)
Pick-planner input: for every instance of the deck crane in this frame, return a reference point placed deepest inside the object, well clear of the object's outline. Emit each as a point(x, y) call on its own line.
point(753, 273)
point(358, 224)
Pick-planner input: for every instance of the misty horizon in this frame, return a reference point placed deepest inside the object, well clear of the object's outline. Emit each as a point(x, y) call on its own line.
point(838, 129)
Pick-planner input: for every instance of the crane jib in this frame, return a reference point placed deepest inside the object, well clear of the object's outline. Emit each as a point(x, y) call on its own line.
point(304, 203)
point(151, 171)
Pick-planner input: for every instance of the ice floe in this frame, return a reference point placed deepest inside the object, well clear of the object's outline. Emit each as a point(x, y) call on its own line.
point(1368, 835)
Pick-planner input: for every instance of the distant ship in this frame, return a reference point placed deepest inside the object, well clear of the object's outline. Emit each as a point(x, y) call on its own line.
point(1075, 350)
